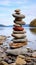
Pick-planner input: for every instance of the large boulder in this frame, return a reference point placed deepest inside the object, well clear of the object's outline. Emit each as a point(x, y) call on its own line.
point(33, 23)
point(17, 51)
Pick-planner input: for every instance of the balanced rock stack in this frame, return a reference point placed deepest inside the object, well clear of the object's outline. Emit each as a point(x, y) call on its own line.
point(19, 37)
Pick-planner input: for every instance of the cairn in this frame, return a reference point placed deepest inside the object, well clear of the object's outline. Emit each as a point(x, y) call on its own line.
point(19, 39)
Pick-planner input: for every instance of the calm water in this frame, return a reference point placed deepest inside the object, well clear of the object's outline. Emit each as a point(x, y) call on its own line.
point(30, 33)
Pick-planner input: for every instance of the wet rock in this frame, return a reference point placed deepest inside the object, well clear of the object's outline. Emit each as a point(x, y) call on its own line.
point(34, 54)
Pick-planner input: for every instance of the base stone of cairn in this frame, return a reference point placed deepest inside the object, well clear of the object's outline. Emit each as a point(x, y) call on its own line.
point(19, 36)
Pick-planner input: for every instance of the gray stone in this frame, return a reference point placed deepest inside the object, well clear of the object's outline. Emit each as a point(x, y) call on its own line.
point(17, 51)
point(19, 40)
point(9, 61)
point(33, 59)
point(16, 24)
point(18, 15)
point(18, 35)
point(20, 22)
point(30, 63)
point(19, 32)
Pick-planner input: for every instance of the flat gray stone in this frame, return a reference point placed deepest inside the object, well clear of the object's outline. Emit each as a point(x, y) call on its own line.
point(20, 22)
point(17, 51)
point(19, 40)
point(18, 36)
point(18, 15)
point(19, 32)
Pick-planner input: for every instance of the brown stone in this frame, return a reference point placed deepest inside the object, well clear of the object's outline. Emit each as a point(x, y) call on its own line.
point(1, 42)
point(3, 63)
point(18, 28)
point(21, 56)
point(17, 45)
point(17, 10)
point(20, 61)
point(2, 39)
point(18, 19)
point(12, 64)
point(28, 59)
point(34, 54)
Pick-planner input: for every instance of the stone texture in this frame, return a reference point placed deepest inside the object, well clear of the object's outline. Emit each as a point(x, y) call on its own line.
point(3, 63)
point(20, 22)
point(20, 61)
point(34, 54)
point(18, 15)
point(28, 59)
point(18, 19)
point(16, 24)
point(18, 28)
point(18, 36)
point(20, 40)
point(17, 51)
point(2, 39)
point(17, 45)
point(19, 32)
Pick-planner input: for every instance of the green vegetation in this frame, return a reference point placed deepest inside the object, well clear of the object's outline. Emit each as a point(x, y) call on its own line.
point(33, 23)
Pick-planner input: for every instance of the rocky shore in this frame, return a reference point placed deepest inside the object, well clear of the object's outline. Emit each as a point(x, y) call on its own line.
point(17, 56)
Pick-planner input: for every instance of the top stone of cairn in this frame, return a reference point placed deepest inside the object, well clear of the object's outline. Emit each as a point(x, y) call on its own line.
point(17, 14)
point(17, 11)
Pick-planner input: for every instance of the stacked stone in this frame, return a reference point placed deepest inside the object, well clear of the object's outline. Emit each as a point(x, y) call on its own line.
point(18, 31)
